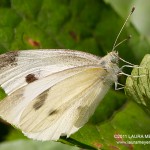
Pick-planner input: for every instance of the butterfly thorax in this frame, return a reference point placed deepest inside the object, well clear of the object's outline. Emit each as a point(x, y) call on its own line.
point(110, 63)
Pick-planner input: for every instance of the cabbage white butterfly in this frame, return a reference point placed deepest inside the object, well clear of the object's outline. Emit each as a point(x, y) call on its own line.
point(52, 93)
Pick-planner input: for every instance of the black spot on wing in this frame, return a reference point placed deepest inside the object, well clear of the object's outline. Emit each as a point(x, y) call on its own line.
point(31, 78)
point(53, 112)
point(38, 104)
point(8, 59)
point(40, 100)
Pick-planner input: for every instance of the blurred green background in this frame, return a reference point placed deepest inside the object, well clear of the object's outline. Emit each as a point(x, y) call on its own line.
point(85, 25)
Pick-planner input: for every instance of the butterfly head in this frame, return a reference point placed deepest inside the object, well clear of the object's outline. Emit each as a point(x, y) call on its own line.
point(110, 59)
point(111, 62)
point(113, 57)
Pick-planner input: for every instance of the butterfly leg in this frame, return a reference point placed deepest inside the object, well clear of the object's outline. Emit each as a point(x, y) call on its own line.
point(116, 86)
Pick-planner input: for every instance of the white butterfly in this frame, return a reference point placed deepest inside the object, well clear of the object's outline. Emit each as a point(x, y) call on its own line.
point(52, 93)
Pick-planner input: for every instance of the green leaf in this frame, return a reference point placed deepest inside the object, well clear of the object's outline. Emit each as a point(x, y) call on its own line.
point(137, 88)
point(27, 9)
point(31, 145)
point(9, 18)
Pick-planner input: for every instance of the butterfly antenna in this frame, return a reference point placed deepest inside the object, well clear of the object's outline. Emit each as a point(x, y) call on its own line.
point(126, 39)
point(115, 45)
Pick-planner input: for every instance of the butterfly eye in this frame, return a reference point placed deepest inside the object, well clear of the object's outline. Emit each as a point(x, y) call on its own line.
point(114, 60)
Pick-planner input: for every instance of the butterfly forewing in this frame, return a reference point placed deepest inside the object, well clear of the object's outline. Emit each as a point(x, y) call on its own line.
point(66, 109)
point(51, 104)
